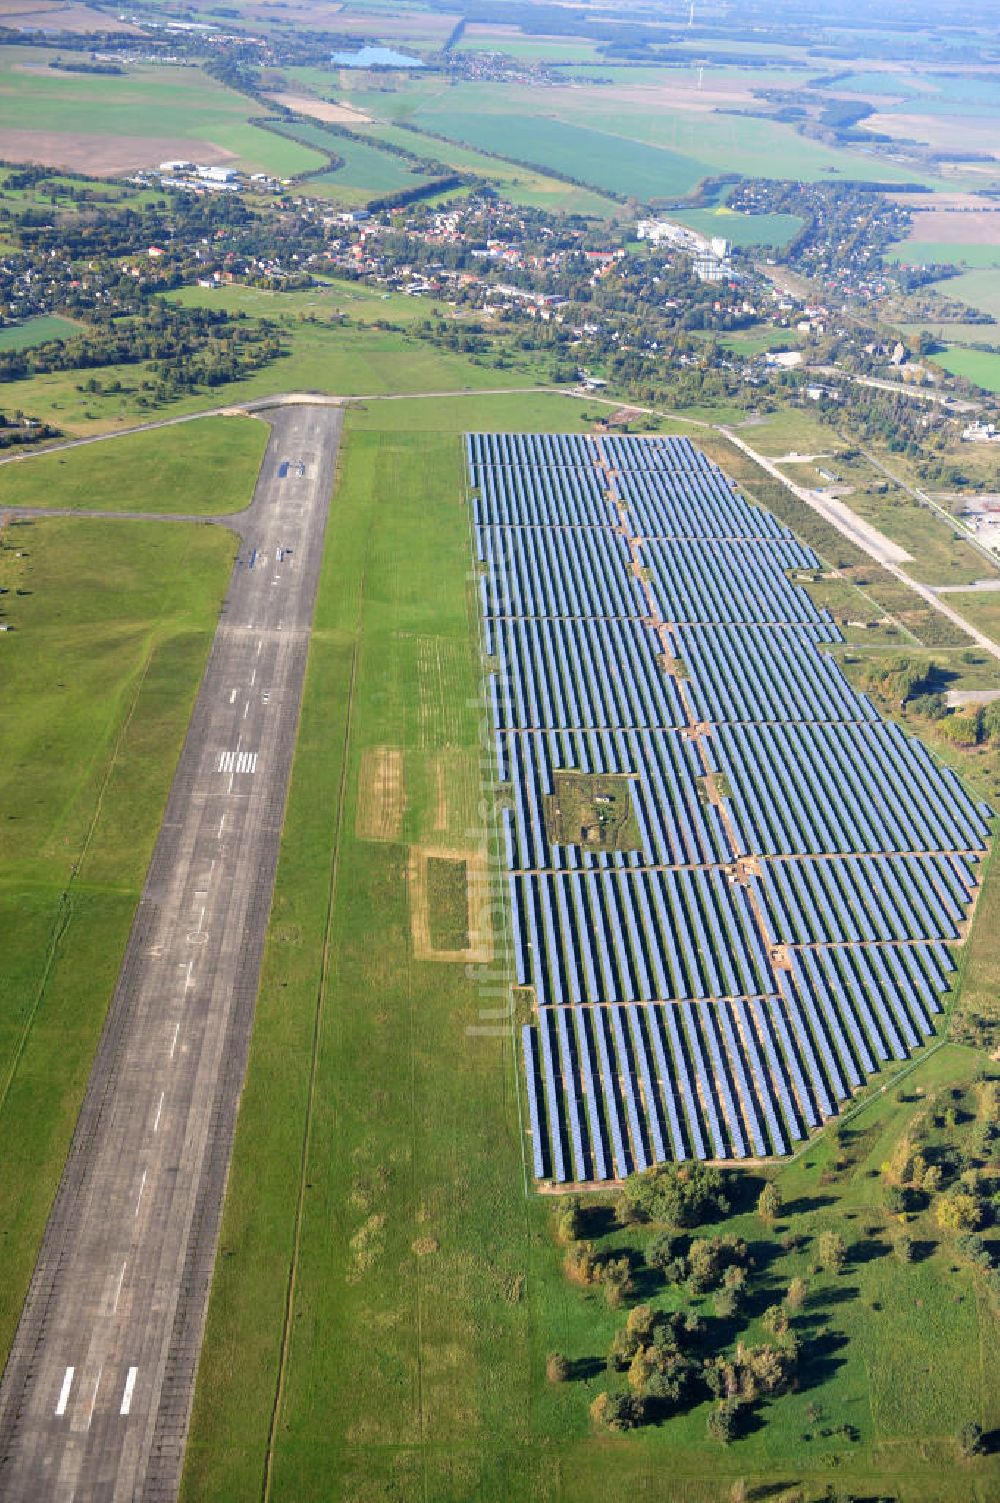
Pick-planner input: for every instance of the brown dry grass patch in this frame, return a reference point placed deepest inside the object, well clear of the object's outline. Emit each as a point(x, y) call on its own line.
point(321, 109)
point(480, 947)
point(381, 794)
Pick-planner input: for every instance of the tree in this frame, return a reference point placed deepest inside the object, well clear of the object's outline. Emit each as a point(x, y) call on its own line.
point(904, 1250)
point(679, 1195)
point(775, 1320)
point(723, 1422)
point(641, 1322)
point(798, 1291)
point(616, 1276)
point(958, 1211)
point(970, 1439)
point(570, 1225)
point(557, 1367)
point(618, 1411)
point(832, 1251)
point(769, 1202)
point(661, 1251)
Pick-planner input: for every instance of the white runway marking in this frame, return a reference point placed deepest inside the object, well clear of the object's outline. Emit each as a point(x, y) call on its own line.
point(219, 836)
point(246, 709)
point(129, 1390)
point(142, 1186)
point(159, 1109)
point(121, 1277)
point(253, 678)
point(188, 983)
point(67, 1384)
point(259, 646)
point(173, 1046)
point(232, 697)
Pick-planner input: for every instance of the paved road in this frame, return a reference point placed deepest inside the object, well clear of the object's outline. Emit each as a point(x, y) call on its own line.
point(846, 521)
point(95, 1401)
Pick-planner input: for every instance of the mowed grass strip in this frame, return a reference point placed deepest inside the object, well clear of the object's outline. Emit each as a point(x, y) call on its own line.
point(202, 468)
point(110, 638)
point(406, 1348)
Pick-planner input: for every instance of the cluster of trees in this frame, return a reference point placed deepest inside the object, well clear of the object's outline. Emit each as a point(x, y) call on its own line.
point(191, 345)
point(678, 1195)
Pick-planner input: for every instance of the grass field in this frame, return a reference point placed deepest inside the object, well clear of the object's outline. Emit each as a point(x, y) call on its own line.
point(379, 1153)
point(979, 366)
point(203, 468)
point(979, 289)
point(112, 625)
point(357, 359)
point(38, 330)
point(950, 253)
point(742, 229)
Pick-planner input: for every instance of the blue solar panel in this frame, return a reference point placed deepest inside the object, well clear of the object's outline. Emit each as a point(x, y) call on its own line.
point(778, 927)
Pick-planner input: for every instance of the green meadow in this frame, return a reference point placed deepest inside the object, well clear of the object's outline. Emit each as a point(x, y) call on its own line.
point(198, 468)
point(37, 330)
point(111, 626)
point(978, 366)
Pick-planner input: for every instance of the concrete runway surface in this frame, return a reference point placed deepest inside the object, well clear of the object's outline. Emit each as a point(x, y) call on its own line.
point(96, 1397)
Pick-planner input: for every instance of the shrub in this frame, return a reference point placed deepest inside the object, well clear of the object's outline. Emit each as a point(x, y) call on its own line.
point(557, 1367)
point(970, 1439)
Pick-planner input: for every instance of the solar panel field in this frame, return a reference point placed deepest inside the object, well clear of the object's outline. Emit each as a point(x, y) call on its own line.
point(777, 924)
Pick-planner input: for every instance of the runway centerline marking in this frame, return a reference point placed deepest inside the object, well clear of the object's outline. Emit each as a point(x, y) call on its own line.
point(173, 1046)
point(93, 1398)
point(129, 1390)
point(159, 1109)
point(142, 1186)
point(121, 1278)
point(67, 1384)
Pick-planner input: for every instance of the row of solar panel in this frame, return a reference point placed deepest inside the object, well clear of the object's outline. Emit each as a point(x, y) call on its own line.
point(614, 1089)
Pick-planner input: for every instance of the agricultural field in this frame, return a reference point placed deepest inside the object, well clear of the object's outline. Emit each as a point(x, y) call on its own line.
point(742, 229)
point(366, 171)
point(110, 124)
point(110, 629)
point(198, 469)
point(401, 1207)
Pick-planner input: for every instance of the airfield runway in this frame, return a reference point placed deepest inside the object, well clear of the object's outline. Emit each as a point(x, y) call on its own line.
point(96, 1397)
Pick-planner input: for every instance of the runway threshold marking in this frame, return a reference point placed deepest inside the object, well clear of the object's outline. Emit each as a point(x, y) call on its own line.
point(67, 1384)
point(133, 1373)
